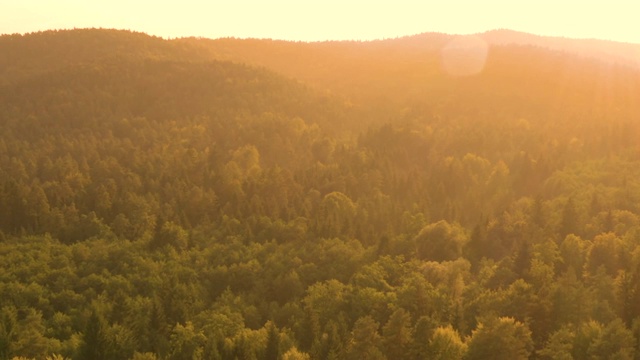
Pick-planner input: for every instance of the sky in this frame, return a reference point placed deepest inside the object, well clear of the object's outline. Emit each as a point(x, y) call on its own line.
point(313, 20)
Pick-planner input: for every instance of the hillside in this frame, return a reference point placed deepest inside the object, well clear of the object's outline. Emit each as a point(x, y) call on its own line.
point(408, 70)
point(608, 51)
point(259, 199)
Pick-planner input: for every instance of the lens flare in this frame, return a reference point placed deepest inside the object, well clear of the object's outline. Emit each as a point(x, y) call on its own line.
point(464, 56)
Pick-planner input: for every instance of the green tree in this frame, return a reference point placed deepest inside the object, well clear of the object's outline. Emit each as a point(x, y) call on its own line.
point(446, 344)
point(440, 241)
point(37, 206)
point(615, 342)
point(572, 251)
point(500, 338)
point(325, 301)
point(30, 340)
point(95, 342)
point(158, 328)
point(587, 334)
point(365, 341)
point(122, 342)
point(569, 220)
point(605, 251)
point(329, 345)
point(396, 335)
point(337, 215)
point(422, 335)
point(171, 234)
point(272, 351)
point(295, 354)
point(144, 356)
point(8, 324)
point(559, 345)
point(187, 343)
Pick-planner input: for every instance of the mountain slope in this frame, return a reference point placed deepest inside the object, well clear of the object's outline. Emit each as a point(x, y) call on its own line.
point(87, 75)
point(409, 71)
point(388, 74)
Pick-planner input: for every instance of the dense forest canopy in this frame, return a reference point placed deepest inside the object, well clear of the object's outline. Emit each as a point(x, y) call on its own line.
point(259, 199)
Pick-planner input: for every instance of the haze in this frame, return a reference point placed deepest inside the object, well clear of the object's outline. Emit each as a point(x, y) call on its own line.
point(427, 196)
point(327, 20)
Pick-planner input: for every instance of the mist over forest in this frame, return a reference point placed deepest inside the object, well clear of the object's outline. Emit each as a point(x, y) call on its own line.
point(424, 197)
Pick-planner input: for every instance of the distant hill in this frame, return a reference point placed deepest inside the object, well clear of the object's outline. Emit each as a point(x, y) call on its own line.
point(365, 82)
point(394, 72)
point(83, 75)
point(521, 70)
point(607, 51)
point(31, 54)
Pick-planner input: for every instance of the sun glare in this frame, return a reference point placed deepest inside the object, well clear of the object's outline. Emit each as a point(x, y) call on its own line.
point(464, 55)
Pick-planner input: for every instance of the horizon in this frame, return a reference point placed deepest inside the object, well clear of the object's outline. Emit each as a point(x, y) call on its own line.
point(326, 40)
point(327, 21)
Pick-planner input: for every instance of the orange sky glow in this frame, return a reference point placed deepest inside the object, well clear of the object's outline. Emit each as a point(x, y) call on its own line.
point(312, 20)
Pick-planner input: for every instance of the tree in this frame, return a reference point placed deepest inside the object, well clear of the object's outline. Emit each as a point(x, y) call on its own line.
point(295, 354)
point(8, 324)
point(605, 251)
point(572, 251)
point(187, 343)
point(37, 206)
point(248, 160)
point(329, 346)
point(30, 340)
point(569, 221)
point(522, 261)
point(422, 335)
point(586, 335)
point(500, 338)
point(572, 302)
point(173, 235)
point(95, 345)
point(122, 342)
point(478, 245)
point(615, 342)
point(446, 344)
point(559, 345)
point(286, 287)
point(440, 241)
point(337, 215)
point(272, 351)
point(396, 335)
point(365, 341)
point(144, 356)
point(325, 301)
point(158, 328)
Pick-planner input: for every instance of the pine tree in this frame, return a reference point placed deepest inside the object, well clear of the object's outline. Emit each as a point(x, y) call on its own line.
point(95, 342)
point(397, 335)
point(569, 224)
point(272, 351)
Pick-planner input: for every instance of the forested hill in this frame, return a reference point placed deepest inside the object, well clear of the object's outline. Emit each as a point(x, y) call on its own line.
point(409, 70)
point(259, 199)
point(87, 75)
point(608, 51)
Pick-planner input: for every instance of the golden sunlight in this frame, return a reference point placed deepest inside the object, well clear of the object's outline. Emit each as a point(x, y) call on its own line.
point(327, 20)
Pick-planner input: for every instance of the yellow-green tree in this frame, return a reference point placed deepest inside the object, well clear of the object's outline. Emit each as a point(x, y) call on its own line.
point(500, 338)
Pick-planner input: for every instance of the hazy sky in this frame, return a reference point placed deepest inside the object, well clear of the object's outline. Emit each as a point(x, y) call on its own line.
point(311, 20)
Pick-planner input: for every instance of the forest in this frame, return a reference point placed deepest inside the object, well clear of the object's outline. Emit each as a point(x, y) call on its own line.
point(260, 199)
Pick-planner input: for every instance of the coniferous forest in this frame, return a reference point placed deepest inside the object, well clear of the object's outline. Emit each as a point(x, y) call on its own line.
point(261, 199)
